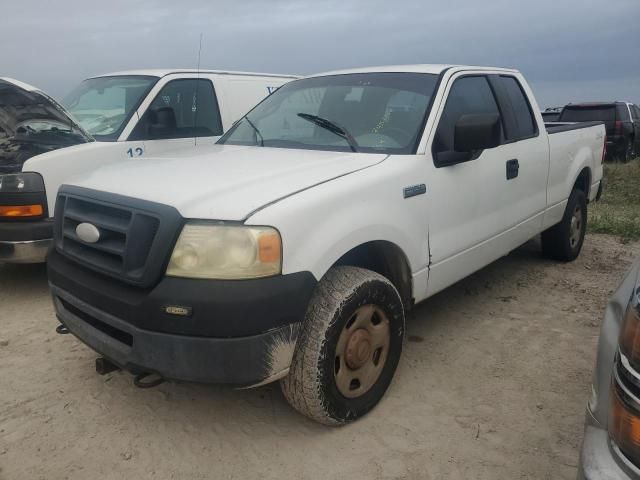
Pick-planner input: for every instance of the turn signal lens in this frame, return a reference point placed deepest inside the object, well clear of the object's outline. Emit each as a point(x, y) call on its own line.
point(624, 425)
point(630, 336)
point(16, 211)
point(269, 248)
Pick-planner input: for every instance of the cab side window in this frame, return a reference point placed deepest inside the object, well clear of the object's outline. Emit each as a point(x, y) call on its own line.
point(468, 95)
point(525, 124)
point(183, 109)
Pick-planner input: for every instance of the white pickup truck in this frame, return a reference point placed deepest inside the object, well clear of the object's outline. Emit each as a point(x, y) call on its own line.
point(117, 117)
point(292, 249)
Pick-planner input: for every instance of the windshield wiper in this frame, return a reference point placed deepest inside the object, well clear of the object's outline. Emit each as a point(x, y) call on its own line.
point(333, 128)
point(258, 134)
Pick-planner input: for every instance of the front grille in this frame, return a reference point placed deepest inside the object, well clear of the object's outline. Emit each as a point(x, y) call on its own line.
point(135, 236)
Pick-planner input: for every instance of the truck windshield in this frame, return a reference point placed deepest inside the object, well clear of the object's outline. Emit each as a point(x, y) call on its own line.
point(363, 112)
point(103, 105)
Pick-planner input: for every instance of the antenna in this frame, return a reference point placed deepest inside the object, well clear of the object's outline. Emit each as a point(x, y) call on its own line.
point(195, 98)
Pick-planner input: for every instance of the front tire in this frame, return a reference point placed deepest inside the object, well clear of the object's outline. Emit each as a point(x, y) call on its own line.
point(349, 347)
point(564, 241)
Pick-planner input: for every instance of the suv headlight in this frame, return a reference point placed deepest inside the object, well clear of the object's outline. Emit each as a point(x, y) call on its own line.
point(226, 252)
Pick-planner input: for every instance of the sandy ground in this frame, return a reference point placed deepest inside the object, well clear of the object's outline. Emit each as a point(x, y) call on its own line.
point(492, 385)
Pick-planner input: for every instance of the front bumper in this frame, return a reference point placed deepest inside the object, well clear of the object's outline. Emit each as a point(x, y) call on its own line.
point(25, 241)
point(240, 333)
point(599, 462)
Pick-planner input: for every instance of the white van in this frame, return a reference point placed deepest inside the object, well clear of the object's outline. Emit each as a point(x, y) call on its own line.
point(115, 117)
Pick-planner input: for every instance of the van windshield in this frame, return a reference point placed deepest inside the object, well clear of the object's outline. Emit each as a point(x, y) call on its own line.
point(363, 112)
point(103, 105)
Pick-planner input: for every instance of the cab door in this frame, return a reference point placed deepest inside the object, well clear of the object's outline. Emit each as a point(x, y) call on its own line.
point(527, 187)
point(183, 113)
point(471, 208)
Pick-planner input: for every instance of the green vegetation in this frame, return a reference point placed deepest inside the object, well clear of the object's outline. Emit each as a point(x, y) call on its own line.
point(618, 211)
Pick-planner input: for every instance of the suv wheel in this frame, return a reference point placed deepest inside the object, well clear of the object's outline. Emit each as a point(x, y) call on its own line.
point(349, 347)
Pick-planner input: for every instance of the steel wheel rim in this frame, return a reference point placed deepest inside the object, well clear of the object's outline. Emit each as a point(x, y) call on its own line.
point(362, 351)
point(576, 227)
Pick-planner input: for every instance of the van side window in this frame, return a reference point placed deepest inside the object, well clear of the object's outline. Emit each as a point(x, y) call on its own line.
point(183, 108)
point(468, 95)
point(525, 122)
point(636, 112)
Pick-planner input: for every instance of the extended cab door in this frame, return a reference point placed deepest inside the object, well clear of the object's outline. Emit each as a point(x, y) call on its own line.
point(179, 113)
point(483, 206)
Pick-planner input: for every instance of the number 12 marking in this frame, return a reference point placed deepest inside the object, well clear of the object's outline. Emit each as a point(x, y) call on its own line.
point(135, 152)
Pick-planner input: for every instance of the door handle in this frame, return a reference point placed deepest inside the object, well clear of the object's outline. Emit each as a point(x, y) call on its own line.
point(512, 168)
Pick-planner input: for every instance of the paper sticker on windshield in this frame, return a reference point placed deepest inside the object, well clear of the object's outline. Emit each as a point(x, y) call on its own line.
point(135, 152)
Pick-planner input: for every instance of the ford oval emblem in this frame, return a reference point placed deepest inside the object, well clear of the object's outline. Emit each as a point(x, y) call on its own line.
point(88, 233)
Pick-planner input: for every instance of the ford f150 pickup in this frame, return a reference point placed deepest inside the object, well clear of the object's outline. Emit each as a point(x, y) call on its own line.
point(118, 117)
point(292, 250)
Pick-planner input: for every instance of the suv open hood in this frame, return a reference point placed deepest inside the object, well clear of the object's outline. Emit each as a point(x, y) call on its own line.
point(31, 123)
point(225, 182)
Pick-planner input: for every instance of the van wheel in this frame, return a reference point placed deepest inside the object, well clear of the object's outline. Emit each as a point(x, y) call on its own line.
point(564, 241)
point(349, 347)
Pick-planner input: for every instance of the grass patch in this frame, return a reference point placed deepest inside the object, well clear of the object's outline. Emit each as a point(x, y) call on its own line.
point(618, 211)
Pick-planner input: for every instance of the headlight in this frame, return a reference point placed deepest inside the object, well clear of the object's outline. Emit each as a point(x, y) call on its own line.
point(630, 334)
point(28, 182)
point(624, 413)
point(13, 204)
point(226, 252)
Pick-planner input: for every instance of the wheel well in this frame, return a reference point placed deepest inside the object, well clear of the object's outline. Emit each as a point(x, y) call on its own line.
point(388, 260)
point(583, 182)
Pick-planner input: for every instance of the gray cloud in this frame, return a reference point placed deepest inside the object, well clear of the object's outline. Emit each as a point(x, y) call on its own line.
point(570, 50)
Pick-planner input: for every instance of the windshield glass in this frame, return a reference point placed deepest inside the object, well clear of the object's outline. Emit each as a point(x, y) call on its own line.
point(103, 106)
point(364, 112)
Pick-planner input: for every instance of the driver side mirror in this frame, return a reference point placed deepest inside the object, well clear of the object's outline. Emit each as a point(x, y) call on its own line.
point(475, 132)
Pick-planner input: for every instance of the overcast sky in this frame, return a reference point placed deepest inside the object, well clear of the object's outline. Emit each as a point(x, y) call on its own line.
point(570, 50)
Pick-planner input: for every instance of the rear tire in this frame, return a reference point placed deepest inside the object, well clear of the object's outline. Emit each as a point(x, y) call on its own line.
point(628, 152)
point(349, 347)
point(564, 240)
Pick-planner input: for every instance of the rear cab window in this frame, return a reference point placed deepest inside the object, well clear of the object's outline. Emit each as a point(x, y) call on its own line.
point(524, 122)
point(184, 108)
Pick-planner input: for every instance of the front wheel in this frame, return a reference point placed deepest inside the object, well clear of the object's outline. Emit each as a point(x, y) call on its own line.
point(564, 241)
point(349, 347)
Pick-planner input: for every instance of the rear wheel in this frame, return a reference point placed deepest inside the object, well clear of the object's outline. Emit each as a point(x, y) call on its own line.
point(564, 241)
point(629, 151)
point(349, 347)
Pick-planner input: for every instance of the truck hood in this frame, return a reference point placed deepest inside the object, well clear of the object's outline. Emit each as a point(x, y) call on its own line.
point(31, 123)
point(225, 182)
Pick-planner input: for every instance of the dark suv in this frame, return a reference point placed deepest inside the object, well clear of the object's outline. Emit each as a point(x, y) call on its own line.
point(622, 121)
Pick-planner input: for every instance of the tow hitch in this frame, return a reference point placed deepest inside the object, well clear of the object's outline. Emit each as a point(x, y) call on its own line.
point(155, 380)
point(104, 366)
point(62, 330)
